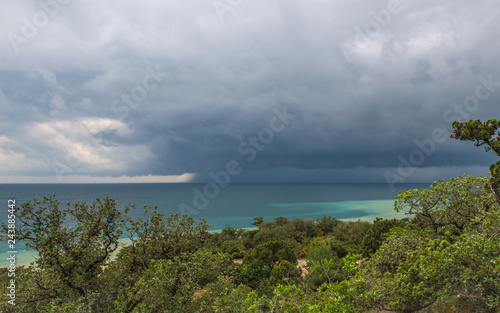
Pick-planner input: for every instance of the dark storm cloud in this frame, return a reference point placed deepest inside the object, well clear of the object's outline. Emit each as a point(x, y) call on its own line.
point(121, 88)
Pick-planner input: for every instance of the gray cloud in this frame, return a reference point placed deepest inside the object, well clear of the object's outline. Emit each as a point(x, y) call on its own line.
point(223, 78)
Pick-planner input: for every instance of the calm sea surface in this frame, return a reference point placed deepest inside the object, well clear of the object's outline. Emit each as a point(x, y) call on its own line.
point(235, 205)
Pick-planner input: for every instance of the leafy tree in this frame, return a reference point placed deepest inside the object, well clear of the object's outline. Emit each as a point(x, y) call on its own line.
point(324, 262)
point(470, 268)
point(154, 239)
point(280, 221)
point(255, 304)
point(447, 206)
point(327, 224)
point(307, 227)
point(259, 263)
point(271, 253)
point(285, 271)
point(170, 285)
point(351, 234)
point(377, 234)
point(222, 296)
point(258, 221)
point(449, 258)
point(415, 287)
point(449, 272)
point(347, 296)
point(76, 243)
point(159, 237)
point(228, 240)
point(485, 134)
point(381, 271)
point(232, 247)
point(273, 233)
point(73, 245)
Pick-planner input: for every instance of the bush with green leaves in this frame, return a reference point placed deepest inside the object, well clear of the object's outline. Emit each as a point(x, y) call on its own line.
point(269, 254)
point(452, 206)
point(348, 296)
point(377, 233)
point(324, 262)
point(448, 256)
point(285, 272)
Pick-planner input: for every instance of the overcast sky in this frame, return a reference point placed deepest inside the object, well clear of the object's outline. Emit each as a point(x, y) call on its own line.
point(267, 91)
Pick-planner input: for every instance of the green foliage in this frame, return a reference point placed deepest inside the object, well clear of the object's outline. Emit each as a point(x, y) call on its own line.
point(72, 243)
point(351, 234)
point(157, 237)
point(285, 271)
point(270, 233)
point(76, 243)
point(229, 240)
point(414, 288)
point(448, 206)
point(327, 224)
point(349, 295)
point(462, 273)
point(324, 271)
point(450, 259)
point(222, 296)
point(324, 262)
point(297, 230)
point(155, 242)
point(233, 247)
point(306, 227)
point(170, 285)
point(376, 235)
point(258, 221)
point(269, 254)
point(485, 134)
point(475, 257)
point(255, 304)
point(280, 221)
point(259, 263)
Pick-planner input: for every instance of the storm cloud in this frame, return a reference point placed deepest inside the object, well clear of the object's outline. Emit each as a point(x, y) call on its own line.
point(179, 88)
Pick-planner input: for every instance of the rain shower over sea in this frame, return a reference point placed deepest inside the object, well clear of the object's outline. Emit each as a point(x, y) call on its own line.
point(236, 205)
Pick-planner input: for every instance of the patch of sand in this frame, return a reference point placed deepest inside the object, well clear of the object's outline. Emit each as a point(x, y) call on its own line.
point(301, 264)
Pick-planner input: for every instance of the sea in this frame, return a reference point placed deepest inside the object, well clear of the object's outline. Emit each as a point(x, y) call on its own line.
point(234, 205)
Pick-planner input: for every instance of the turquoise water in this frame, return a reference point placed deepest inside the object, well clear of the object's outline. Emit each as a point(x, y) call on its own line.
point(235, 205)
point(346, 210)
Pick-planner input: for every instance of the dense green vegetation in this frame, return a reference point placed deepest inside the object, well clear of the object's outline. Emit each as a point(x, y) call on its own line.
point(444, 257)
